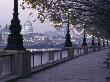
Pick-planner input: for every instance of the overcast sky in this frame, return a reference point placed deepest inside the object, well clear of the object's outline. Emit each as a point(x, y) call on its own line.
point(6, 10)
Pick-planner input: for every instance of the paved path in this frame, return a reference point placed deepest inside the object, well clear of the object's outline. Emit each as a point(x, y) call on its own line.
point(88, 68)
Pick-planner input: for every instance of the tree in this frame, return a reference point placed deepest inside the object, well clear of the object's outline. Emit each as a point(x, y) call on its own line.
point(90, 13)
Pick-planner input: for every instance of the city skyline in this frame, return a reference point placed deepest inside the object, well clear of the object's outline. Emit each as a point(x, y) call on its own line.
point(6, 8)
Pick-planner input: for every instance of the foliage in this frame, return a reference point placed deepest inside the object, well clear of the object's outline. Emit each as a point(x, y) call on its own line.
point(92, 14)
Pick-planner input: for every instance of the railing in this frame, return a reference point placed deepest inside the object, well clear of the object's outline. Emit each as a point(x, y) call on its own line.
point(17, 62)
point(5, 65)
point(43, 57)
point(39, 58)
point(78, 51)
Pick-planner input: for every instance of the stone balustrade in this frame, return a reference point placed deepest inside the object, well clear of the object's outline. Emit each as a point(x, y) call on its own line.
point(25, 62)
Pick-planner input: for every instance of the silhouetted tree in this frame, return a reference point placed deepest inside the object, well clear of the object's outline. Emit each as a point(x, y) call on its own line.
point(92, 14)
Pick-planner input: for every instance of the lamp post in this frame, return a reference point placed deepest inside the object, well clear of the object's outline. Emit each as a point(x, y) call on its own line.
point(93, 43)
point(84, 44)
point(103, 42)
point(15, 40)
point(84, 40)
point(107, 43)
point(99, 42)
point(68, 42)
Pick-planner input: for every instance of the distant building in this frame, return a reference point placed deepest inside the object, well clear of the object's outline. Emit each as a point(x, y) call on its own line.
point(0, 35)
point(0, 29)
point(5, 32)
point(27, 28)
point(47, 39)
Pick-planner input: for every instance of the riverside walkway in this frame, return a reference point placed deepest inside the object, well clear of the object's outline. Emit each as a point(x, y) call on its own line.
point(87, 68)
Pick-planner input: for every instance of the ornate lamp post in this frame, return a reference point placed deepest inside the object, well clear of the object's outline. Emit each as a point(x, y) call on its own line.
point(15, 40)
point(68, 42)
point(99, 42)
point(84, 40)
point(103, 42)
point(84, 44)
point(93, 43)
point(107, 43)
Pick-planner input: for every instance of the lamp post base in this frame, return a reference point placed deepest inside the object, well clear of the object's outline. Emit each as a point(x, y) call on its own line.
point(68, 42)
point(15, 42)
point(84, 42)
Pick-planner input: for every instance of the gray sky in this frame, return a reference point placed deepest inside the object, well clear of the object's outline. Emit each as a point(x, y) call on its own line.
point(6, 10)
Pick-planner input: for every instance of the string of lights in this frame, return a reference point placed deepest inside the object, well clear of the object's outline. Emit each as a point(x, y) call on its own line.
point(79, 33)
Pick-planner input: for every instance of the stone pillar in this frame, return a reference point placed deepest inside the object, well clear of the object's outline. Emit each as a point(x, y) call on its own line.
point(21, 64)
point(70, 52)
point(94, 48)
point(85, 50)
point(1, 65)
